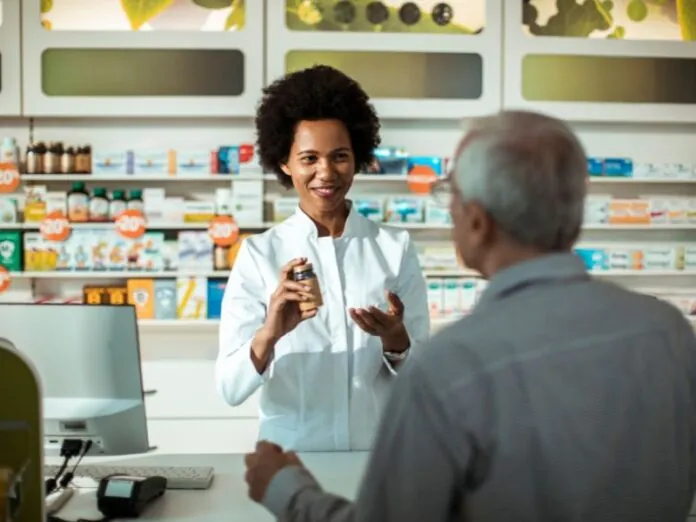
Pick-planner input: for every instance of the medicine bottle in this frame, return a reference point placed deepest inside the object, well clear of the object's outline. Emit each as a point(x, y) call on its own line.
point(40, 151)
point(117, 204)
point(135, 200)
point(78, 203)
point(33, 160)
point(99, 206)
point(305, 274)
point(221, 258)
point(67, 161)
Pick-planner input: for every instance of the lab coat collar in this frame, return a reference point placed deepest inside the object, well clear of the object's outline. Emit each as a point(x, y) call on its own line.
point(552, 267)
point(354, 223)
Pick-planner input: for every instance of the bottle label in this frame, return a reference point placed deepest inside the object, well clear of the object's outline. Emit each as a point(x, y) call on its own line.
point(98, 209)
point(78, 207)
point(303, 276)
point(116, 208)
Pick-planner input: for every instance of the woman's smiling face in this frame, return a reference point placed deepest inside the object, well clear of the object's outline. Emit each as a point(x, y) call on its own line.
point(321, 165)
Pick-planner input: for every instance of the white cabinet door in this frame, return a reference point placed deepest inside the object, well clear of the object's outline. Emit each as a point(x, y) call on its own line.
point(133, 58)
point(196, 436)
point(185, 389)
point(610, 68)
point(449, 69)
point(10, 68)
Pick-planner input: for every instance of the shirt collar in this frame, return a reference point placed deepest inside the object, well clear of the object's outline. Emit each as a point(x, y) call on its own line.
point(353, 225)
point(552, 267)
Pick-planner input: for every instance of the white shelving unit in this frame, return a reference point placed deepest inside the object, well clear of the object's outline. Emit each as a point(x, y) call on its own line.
point(664, 280)
point(360, 178)
point(223, 274)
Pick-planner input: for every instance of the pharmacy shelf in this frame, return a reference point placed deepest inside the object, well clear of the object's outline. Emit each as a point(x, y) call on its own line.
point(150, 226)
point(597, 273)
point(651, 227)
point(166, 324)
point(210, 178)
point(225, 178)
point(203, 324)
point(113, 178)
point(639, 181)
point(416, 227)
point(94, 274)
point(430, 273)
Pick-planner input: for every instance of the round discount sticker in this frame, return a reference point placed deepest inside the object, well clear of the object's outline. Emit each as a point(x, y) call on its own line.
point(421, 179)
point(223, 230)
point(130, 224)
point(55, 227)
point(4, 279)
point(9, 178)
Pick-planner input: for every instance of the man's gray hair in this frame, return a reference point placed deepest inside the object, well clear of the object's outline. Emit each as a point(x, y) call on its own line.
point(529, 171)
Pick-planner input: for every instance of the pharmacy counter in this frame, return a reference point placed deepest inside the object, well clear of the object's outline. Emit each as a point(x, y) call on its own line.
point(226, 500)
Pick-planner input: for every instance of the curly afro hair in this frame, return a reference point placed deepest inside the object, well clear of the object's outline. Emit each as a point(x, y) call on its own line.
point(316, 93)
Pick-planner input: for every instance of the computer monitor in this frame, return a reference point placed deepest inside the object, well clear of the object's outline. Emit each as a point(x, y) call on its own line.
point(88, 361)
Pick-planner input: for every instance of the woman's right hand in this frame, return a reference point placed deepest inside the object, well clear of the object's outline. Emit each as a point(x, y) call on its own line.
point(284, 313)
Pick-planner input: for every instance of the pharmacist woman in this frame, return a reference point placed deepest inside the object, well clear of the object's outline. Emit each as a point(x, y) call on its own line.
point(324, 374)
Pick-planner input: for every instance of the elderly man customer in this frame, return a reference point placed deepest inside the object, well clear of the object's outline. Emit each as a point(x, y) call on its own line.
point(559, 398)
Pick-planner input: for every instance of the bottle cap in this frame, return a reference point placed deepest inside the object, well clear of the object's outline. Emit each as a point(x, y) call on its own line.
point(302, 268)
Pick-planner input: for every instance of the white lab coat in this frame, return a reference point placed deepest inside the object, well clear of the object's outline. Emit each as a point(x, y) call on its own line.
point(326, 383)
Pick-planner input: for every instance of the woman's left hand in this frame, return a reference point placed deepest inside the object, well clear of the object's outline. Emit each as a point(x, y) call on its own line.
point(388, 326)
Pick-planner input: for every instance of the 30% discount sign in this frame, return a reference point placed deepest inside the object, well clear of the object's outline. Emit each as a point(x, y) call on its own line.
point(224, 231)
point(421, 180)
point(9, 178)
point(55, 227)
point(131, 224)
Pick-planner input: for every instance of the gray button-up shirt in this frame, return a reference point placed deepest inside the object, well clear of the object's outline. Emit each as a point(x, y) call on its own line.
point(560, 398)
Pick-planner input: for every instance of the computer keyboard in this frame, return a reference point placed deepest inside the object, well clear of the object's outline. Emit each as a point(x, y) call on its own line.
point(178, 477)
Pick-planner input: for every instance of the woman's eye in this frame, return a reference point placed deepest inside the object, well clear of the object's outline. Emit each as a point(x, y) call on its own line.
point(341, 157)
point(309, 159)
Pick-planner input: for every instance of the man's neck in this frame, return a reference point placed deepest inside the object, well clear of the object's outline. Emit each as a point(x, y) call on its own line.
point(507, 256)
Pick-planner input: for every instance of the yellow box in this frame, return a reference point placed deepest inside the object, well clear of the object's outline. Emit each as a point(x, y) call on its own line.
point(192, 297)
point(141, 294)
point(629, 212)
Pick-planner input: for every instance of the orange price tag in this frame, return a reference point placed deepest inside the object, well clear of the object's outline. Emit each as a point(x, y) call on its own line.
point(55, 227)
point(9, 178)
point(4, 279)
point(421, 179)
point(224, 231)
point(130, 224)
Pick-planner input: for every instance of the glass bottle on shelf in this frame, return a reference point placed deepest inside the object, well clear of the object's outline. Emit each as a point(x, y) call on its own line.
point(33, 160)
point(135, 200)
point(117, 204)
point(78, 203)
point(67, 161)
point(40, 149)
point(52, 158)
point(99, 206)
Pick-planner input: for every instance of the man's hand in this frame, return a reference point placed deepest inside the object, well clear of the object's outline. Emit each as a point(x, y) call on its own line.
point(262, 466)
point(389, 326)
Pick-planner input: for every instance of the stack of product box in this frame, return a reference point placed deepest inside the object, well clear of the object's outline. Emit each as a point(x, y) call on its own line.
point(187, 298)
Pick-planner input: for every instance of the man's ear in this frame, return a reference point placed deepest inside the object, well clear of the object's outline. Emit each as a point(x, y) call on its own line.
point(284, 168)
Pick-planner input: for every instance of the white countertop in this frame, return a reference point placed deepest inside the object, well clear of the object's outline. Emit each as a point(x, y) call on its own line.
point(226, 500)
